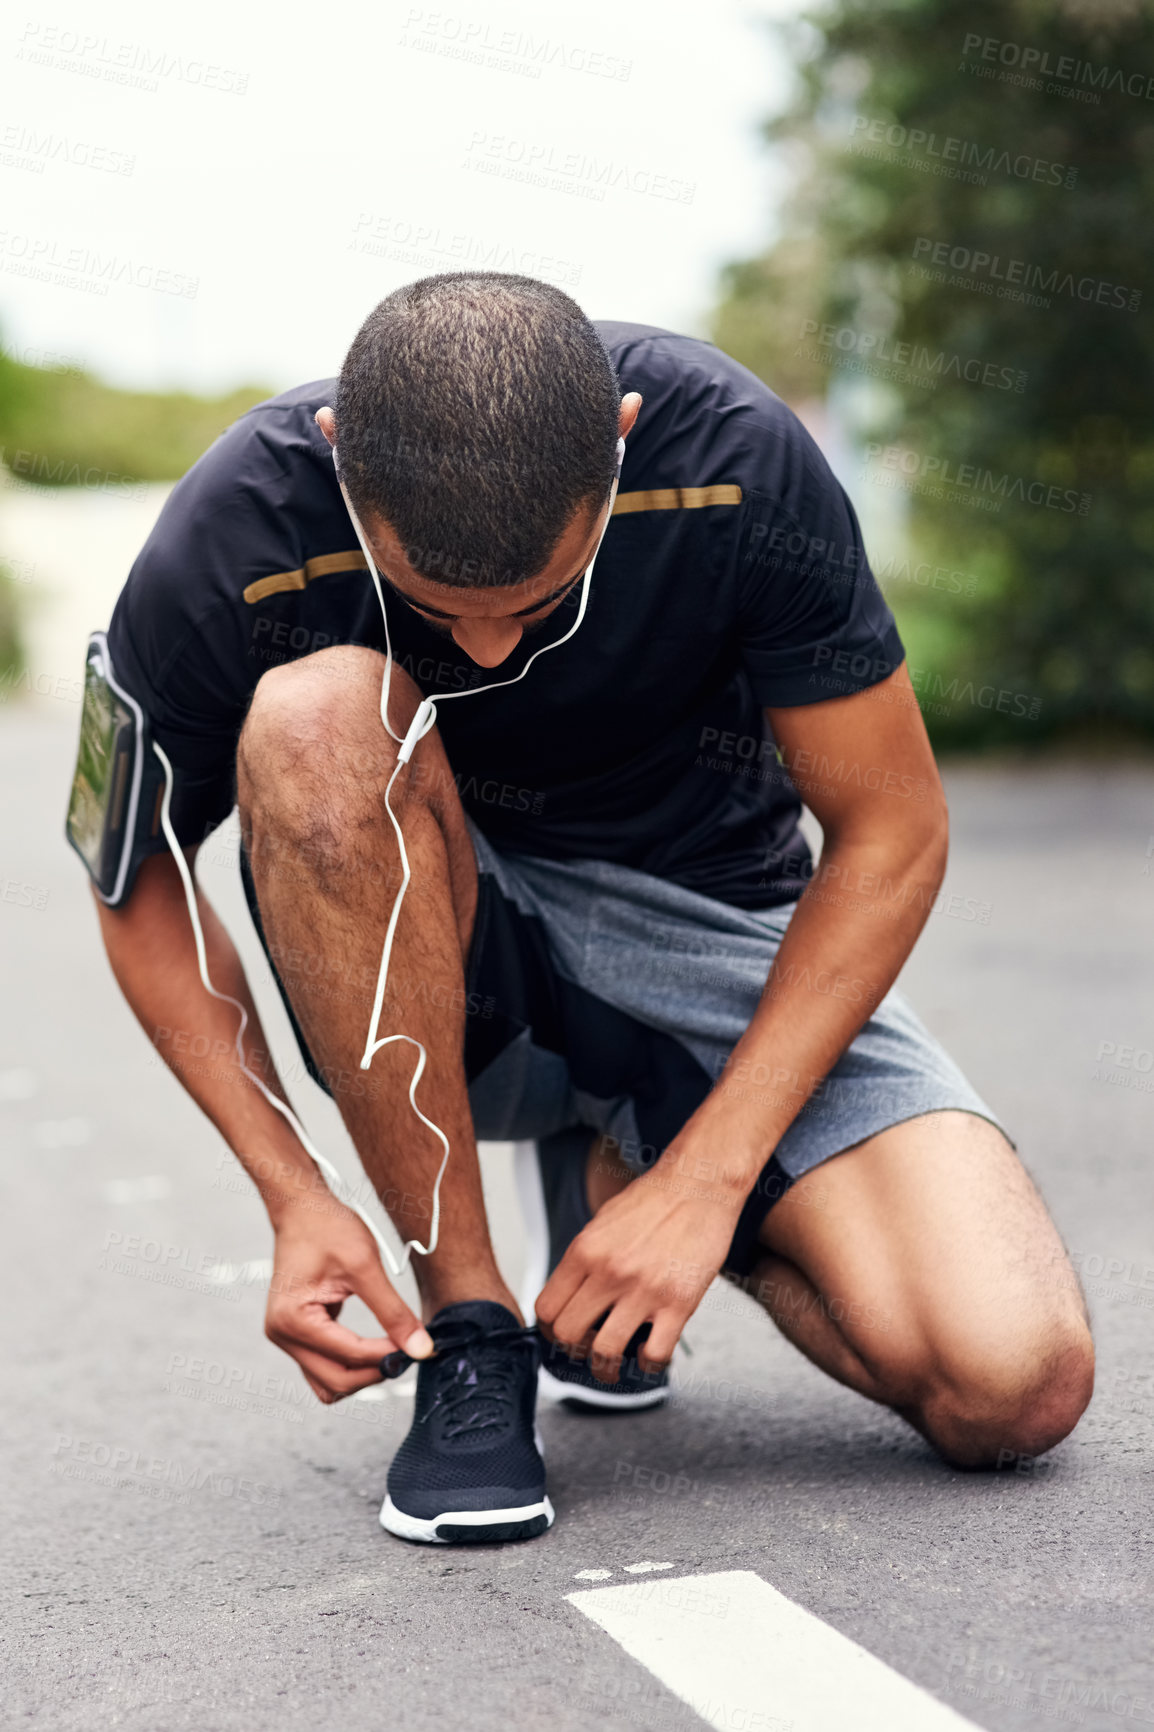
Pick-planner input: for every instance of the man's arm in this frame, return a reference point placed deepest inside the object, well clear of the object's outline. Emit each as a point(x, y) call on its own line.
point(884, 817)
point(324, 1253)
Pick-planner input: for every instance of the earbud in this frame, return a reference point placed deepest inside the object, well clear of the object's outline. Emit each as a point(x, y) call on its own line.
point(419, 726)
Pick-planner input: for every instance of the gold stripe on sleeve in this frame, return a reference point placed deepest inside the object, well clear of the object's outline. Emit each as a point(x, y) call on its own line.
point(321, 566)
point(677, 498)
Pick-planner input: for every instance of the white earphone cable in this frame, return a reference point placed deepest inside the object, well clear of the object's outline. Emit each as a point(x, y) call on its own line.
point(330, 1172)
point(424, 719)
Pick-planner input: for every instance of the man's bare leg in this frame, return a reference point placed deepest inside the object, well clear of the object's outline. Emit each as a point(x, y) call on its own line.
point(922, 1269)
point(312, 766)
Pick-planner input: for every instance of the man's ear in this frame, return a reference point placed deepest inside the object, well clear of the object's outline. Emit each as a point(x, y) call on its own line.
point(630, 404)
point(327, 422)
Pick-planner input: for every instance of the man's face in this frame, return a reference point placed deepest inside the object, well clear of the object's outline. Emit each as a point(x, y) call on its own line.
point(488, 624)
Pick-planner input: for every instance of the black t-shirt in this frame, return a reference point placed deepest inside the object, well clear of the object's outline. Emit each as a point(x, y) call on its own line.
point(731, 576)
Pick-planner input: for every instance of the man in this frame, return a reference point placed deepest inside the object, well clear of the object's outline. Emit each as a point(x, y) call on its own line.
point(614, 941)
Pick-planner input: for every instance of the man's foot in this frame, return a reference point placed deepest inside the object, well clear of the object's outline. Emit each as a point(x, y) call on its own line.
point(471, 1471)
point(551, 1183)
point(571, 1380)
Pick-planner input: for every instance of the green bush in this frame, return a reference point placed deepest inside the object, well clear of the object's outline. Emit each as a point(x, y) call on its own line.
point(59, 424)
point(11, 642)
point(908, 134)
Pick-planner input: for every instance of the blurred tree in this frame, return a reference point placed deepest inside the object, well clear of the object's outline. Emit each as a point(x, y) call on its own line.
point(975, 179)
point(57, 423)
point(61, 427)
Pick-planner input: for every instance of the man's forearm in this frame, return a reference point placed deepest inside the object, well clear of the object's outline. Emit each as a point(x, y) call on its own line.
point(851, 934)
point(324, 1254)
point(150, 947)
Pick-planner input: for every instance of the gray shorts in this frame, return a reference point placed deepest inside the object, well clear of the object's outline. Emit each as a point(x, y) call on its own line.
point(600, 996)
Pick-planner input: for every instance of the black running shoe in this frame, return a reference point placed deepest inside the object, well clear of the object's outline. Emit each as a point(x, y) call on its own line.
point(555, 1203)
point(471, 1470)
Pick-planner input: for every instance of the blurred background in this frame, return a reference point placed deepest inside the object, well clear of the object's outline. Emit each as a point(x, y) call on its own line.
point(922, 223)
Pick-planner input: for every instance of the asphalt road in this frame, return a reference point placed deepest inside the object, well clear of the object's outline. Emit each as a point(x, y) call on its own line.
point(191, 1542)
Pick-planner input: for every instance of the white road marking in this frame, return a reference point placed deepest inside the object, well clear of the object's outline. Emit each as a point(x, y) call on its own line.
point(644, 1569)
point(740, 1654)
point(592, 1575)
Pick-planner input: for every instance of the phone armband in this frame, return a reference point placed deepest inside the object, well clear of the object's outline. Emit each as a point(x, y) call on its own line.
point(118, 780)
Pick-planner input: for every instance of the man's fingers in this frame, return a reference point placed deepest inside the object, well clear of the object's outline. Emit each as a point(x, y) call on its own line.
point(583, 1316)
point(330, 1382)
point(558, 1290)
point(390, 1310)
point(656, 1353)
point(612, 1339)
point(310, 1326)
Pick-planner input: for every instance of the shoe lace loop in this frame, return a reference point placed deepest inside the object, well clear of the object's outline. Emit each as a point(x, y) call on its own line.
point(480, 1377)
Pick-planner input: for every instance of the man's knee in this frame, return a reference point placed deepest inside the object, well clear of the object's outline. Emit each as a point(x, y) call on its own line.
point(315, 725)
point(1012, 1403)
point(313, 760)
point(302, 709)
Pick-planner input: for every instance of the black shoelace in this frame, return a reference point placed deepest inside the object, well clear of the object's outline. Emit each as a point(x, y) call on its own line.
point(481, 1386)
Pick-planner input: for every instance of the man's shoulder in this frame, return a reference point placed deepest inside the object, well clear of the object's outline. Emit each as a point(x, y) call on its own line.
point(277, 433)
point(672, 355)
point(262, 499)
point(705, 416)
point(273, 455)
point(309, 397)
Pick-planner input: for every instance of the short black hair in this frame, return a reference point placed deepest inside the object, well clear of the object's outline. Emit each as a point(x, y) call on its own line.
point(475, 413)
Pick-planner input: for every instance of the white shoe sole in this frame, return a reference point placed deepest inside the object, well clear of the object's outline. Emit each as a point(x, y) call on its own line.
point(556, 1389)
point(480, 1526)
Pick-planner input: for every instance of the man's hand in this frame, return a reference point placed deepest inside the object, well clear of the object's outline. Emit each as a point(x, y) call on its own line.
point(647, 1256)
point(321, 1260)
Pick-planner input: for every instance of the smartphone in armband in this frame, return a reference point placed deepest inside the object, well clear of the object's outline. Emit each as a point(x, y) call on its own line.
point(116, 789)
